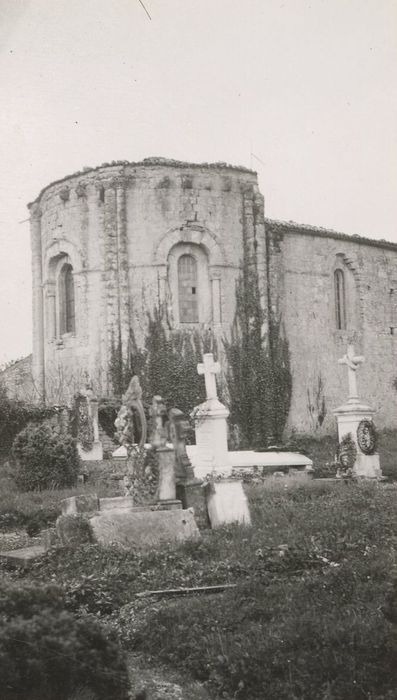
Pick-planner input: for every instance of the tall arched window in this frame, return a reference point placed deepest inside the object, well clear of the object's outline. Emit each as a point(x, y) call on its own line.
point(187, 289)
point(340, 299)
point(66, 300)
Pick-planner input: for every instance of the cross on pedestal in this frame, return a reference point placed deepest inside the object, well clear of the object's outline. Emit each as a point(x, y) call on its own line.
point(353, 362)
point(209, 368)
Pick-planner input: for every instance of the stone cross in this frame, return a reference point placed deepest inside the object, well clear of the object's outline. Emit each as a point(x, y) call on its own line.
point(209, 368)
point(353, 362)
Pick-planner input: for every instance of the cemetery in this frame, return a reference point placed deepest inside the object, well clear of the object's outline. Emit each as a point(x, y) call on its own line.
point(168, 564)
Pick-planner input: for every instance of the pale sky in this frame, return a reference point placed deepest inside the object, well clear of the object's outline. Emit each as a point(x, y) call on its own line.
point(308, 86)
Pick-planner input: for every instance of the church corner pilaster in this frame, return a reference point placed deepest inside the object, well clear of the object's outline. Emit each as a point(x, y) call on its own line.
point(37, 301)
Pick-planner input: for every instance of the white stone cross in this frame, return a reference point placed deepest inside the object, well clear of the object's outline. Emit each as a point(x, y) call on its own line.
point(353, 362)
point(209, 368)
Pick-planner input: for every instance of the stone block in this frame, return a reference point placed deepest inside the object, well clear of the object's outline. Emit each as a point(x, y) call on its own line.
point(143, 528)
point(227, 503)
point(116, 502)
point(73, 530)
point(49, 538)
point(95, 454)
point(23, 557)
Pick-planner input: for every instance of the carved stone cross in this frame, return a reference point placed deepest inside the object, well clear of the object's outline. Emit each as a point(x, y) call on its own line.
point(209, 368)
point(353, 362)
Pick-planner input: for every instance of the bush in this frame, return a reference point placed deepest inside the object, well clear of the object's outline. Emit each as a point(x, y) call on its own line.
point(45, 459)
point(14, 416)
point(50, 653)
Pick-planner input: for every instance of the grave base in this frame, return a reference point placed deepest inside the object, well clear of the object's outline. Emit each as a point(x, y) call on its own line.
point(143, 529)
point(227, 503)
point(95, 454)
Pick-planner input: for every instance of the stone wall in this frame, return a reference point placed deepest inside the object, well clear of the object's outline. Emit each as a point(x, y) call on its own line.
point(302, 261)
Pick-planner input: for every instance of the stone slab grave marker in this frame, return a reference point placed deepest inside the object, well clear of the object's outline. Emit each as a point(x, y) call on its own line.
point(226, 500)
point(165, 454)
point(143, 528)
point(88, 443)
point(355, 424)
point(188, 489)
point(131, 413)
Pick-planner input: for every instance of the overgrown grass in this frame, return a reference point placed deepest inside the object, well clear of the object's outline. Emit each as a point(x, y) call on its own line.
point(36, 508)
point(305, 620)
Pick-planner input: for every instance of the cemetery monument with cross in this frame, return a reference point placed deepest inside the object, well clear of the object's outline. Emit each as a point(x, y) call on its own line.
point(355, 422)
point(211, 454)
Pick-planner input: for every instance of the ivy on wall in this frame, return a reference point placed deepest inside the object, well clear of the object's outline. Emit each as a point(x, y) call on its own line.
point(167, 365)
point(258, 377)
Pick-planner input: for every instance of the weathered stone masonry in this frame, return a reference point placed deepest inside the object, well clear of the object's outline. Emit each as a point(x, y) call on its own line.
point(123, 229)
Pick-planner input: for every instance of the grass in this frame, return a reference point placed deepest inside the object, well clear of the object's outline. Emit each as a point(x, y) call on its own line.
point(305, 620)
point(36, 509)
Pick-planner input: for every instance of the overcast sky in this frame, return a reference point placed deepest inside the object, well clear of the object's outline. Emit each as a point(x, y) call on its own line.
point(309, 87)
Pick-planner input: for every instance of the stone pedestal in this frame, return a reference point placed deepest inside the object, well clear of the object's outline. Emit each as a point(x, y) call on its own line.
point(227, 503)
point(95, 454)
point(211, 435)
point(349, 417)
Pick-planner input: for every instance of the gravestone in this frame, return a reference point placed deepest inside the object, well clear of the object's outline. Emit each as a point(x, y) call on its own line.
point(356, 430)
point(188, 489)
point(131, 412)
point(131, 431)
point(88, 443)
point(210, 420)
point(226, 500)
point(164, 453)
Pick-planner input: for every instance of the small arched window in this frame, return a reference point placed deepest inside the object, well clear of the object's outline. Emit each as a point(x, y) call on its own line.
point(340, 299)
point(66, 299)
point(187, 289)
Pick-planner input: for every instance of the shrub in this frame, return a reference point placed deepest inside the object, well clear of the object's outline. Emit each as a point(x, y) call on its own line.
point(14, 416)
point(45, 458)
point(51, 653)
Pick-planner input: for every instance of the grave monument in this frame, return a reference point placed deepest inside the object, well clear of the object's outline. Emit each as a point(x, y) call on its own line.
point(356, 429)
point(88, 443)
point(210, 453)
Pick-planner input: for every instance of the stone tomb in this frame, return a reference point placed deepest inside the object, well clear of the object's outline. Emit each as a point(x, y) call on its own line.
point(117, 521)
point(211, 454)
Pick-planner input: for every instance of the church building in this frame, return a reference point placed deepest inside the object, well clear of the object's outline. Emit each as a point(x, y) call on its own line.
point(113, 243)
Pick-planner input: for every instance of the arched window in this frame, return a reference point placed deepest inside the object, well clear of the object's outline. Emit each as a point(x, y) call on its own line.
point(340, 299)
point(66, 300)
point(187, 289)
